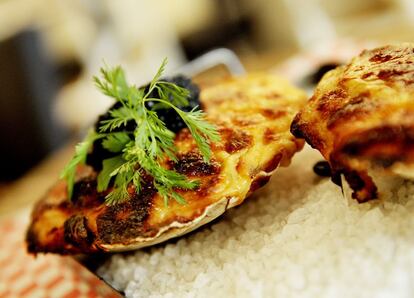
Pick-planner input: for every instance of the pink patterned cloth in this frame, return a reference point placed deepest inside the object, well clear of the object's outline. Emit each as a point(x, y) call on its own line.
point(24, 276)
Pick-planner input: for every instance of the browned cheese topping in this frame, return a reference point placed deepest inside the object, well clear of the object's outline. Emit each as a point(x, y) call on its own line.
point(253, 116)
point(361, 116)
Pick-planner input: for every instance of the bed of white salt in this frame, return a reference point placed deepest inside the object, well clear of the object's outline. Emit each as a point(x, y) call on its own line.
point(296, 237)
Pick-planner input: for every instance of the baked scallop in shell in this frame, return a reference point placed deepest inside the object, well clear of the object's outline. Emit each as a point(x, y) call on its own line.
point(361, 118)
point(253, 115)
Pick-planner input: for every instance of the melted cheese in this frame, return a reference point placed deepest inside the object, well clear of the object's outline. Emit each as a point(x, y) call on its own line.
point(253, 116)
point(256, 105)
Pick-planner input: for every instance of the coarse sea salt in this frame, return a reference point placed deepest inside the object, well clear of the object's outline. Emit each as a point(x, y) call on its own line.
point(296, 237)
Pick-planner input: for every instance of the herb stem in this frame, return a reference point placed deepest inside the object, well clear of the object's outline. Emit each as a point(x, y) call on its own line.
point(140, 152)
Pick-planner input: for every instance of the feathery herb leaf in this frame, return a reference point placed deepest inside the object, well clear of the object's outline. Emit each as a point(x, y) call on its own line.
point(116, 142)
point(108, 167)
point(142, 151)
point(81, 152)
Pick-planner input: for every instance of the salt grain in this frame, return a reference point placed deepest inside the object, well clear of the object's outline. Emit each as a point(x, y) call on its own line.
point(297, 237)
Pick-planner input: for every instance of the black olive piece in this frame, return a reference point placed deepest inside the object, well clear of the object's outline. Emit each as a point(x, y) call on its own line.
point(322, 168)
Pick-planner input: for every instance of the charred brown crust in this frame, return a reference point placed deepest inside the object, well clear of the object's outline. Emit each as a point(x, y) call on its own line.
point(130, 217)
point(349, 117)
point(269, 136)
point(77, 232)
point(303, 130)
point(207, 186)
point(272, 164)
point(332, 101)
point(262, 178)
point(297, 128)
point(59, 247)
point(84, 187)
point(236, 140)
point(193, 164)
point(381, 57)
point(33, 245)
point(383, 145)
point(259, 182)
point(85, 194)
point(362, 185)
point(273, 114)
point(353, 109)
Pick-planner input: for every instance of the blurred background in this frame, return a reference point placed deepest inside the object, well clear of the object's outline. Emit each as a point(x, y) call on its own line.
point(50, 49)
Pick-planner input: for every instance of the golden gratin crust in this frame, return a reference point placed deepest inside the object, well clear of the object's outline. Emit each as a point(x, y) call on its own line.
point(253, 114)
point(361, 116)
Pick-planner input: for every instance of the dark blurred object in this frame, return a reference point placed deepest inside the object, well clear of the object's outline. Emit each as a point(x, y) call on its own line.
point(319, 73)
point(28, 84)
point(215, 37)
point(68, 71)
point(231, 27)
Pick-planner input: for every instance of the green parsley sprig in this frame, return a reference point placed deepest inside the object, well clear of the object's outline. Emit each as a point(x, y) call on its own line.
point(140, 152)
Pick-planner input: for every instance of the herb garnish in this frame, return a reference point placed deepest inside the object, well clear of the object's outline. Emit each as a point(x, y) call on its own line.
point(140, 152)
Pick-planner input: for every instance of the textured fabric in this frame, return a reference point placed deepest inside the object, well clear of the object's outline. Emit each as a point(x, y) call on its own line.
point(25, 276)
